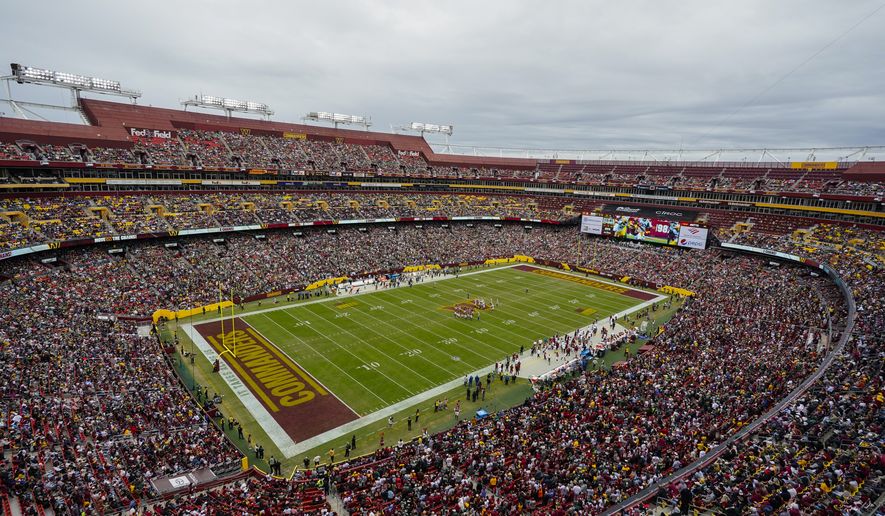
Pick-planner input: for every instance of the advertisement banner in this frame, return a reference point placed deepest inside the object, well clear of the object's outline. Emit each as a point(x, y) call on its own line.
point(650, 212)
point(229, 182)
point(692, 237)
point(814, 165)
point(155, 182)
point(294, 136)
point(150, 133)
point(646, 229)
point(591, 224)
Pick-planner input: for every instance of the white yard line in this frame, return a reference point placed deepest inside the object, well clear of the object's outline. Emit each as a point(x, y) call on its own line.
point(280, 437)
point(351, 353)
point(336, 366)
point(307, 372)
point(465, 348)
point(383, 336)
point(325, 299)
point(348, 428)
point(285, 443)
point(537, 368)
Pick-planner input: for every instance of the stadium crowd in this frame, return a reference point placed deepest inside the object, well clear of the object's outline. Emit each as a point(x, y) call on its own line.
point(45, 219)
point(825, 453)
point(297, 154)
point(90, 411)
point(747, 339)
point(251, 495)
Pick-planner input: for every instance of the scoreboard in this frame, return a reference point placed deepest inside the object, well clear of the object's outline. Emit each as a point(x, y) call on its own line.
point(646, 229)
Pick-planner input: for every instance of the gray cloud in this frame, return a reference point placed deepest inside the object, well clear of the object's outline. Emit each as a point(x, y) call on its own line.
point(572, 75)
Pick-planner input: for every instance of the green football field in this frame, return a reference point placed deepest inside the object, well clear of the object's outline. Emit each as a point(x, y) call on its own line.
point(375, 349)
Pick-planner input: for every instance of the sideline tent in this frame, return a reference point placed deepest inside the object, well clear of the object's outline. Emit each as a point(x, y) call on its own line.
point(481, 413)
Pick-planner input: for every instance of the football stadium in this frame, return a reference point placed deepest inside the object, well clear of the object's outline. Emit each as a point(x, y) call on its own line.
point(213, 307)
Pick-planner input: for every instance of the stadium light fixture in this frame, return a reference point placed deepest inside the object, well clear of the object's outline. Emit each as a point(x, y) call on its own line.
point(228, 105)
point(256, 106)
point(234, 104)
point(75, 82)
point(423, 127)
point(210, 100)
point(338, 118)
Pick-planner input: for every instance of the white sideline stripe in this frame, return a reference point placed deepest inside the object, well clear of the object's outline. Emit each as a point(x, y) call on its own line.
point(339, 296)
point(536, 365)
point(284, 442)
point(626, 312)
point(324, 299)
point(634, 308)
point(389, 410)
point(280, 438)
point(307, 373)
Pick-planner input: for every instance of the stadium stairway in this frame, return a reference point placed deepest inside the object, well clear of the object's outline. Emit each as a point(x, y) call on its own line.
point(336, 504)
point(10, 505)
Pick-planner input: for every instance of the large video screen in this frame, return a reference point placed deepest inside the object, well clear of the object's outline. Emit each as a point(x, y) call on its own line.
point(658, 231)
point(646, 229)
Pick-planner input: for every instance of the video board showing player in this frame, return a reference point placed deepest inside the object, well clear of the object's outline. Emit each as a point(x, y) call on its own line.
point(659, 231)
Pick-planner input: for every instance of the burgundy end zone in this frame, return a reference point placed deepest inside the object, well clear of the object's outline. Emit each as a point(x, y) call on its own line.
point(617, 289)
point(640, 294)
point(301, 406)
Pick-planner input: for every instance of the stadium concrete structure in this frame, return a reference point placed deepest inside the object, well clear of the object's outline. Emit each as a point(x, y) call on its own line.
point(98, 419)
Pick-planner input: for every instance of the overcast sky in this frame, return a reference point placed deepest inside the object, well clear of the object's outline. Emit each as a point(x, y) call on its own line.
point(567, 75)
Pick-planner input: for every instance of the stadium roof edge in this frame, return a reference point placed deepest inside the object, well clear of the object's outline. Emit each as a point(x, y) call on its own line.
point(104, 113)
point(110, 121)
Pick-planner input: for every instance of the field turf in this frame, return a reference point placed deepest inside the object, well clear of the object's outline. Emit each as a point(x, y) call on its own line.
point(376, 349)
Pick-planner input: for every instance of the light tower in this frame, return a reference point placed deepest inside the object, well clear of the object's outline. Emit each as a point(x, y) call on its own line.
point(338, 118)
point(422, 127)
point(229, 106)
point(72, 82)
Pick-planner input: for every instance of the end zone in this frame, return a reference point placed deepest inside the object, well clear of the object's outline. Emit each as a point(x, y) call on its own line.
point(280, 390)
point(623, 290)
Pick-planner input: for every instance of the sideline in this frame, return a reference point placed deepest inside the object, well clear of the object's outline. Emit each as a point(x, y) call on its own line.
point(284, 306)
point(277, 434)
point(289, 448)
point(330, 298)
point(526, 372)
